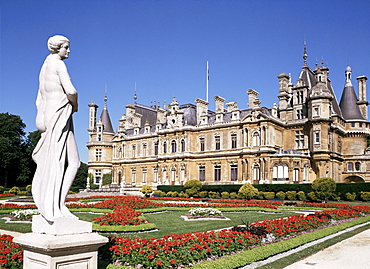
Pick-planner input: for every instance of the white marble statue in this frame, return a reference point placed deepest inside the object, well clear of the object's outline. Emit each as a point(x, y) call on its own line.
point(56, 153)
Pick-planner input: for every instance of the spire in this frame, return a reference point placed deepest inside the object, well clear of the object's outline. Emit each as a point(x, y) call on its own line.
point(305, 55)
point(348, 102)
point(104, 117)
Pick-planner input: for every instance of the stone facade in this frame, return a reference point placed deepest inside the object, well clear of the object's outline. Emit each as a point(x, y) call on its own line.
point(305, 136)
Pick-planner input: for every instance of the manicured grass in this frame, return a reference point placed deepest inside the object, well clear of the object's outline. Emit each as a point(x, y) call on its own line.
point(172, 223)
point(16, 227)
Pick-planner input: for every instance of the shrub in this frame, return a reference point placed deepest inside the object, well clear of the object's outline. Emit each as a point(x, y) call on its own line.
point(159, 193)
point(365, 195)
point(269, 195)
point(29, 188)
point(146, 190)
point(291, 195)
point(233, 195)
point(260, 195)
point(312, 196)
point(225, 195)
point(14, 190)
point(22, 193)
point(1, 189)
point(174, 194)
point(281, 195)
point(213, 194)
point(192, 186)
point(239, 195)
point(248, 191)
point(351, 196)
point(336, 196)
point(107, 179)
point(183, 195)
point(203, 194)
point(301, 196)
point(324, 187)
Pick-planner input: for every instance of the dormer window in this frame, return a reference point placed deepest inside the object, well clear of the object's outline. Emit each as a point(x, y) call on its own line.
point(316, 111)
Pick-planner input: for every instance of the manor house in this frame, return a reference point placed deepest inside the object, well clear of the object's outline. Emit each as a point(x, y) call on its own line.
point(307, 135)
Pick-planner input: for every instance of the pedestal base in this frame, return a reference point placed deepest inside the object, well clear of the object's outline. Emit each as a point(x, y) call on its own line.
point(60, 226)
point(45, 251)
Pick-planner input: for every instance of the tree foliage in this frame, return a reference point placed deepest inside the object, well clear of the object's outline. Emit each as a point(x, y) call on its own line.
point(192, 187)
point(146, 190)
point(81, 176)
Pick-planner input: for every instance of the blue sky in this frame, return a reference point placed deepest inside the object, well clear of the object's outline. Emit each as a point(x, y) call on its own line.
point(163, 46)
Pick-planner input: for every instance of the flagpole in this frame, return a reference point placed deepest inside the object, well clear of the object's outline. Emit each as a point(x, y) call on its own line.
point(207, 78)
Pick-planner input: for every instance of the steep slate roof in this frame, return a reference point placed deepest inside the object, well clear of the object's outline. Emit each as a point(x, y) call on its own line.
point(148, 114)
point(348, 102)
point(105, 119)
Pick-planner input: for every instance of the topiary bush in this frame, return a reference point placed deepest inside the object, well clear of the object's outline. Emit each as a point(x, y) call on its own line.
point(324, 187)
point(214, 195)
point(233, 195)
point(192, 187)
point(203, 194)
point(14, 190)
point(159, 193)
point(301, 196)
point(225, 195)
point(183, 194)
point(312, 196)
point(280, 195)
point(146, 190)
point(248, 191)
point(350, 196)
point(365, 195)
point(269, 195)
point(291, 195)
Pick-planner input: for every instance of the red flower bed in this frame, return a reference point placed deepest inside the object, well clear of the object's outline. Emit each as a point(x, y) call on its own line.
point(16, 206)
point(11, 254)
point(6, 195)
point(130, 201)
point(122, 215)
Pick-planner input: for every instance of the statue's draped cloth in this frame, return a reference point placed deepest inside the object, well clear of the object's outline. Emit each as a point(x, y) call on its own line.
point(50, 157)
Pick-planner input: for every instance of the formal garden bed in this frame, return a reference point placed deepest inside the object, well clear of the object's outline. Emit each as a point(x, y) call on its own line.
point(204, 244)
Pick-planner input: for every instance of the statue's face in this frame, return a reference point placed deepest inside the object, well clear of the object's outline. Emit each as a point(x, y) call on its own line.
point(64, 51)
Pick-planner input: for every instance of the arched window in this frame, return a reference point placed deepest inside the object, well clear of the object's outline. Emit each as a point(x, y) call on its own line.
point(256, 139)
point(164, 147)
point(201, 143)
point(256, 172)
point(173, 146)
point(280, 172)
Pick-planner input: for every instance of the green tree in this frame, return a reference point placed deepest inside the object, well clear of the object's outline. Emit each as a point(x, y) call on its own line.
point(107, 179)
point(248, 191)
point(324, 187)
point(12, 147)
point(81, 177)
point(192, 187)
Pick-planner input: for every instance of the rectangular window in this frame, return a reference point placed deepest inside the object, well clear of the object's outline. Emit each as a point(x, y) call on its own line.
point(133, 151)
point(217, 142)
point(98, 155)
point(317, 137)
point(234, 172)
point(156, 148)
point(144, 175)
point(217, 170)
point(233, 141)
point(201, 142)
point(202, 173)
point(300, 114)
point(353, 124)
point(299, 139)
point(97, 176)
point(145, 149)
point(133, 175)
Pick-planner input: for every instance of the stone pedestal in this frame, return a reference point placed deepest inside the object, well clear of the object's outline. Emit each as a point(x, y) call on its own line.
point(44, 251)
point(64, 244)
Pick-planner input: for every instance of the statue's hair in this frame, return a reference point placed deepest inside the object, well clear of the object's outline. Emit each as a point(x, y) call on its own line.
point(56, 42)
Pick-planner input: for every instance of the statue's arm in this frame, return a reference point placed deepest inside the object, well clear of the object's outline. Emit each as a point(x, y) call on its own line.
point(67, 85)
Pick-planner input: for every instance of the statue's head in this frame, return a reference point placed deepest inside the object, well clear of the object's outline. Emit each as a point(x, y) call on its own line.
point(56, 42)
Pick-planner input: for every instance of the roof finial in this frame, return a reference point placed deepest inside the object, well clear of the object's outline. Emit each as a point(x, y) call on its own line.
point(105, 97)
point(305, 53)
point(135, 96)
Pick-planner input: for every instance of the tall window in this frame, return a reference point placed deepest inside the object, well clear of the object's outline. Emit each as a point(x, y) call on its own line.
point(182, 145)
point(217, 142)
point(300, 114)
point(202, 173)
point(201, 142)
point(299, 97)
point(98, 154)
point(145, 146)
point(217, 171)
point(317, 137)
point(133, 175)
point(299, 139)
point(233, 172)
point(155, 179)
point(296, 175)
point(99, 137)
point(164, 147)
point(280, 172)
point(144, 175)
point(233, 141)
point(256, 172)
point(133, 151)
point(256, 139)
point(156, 148)
point(173, 146)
